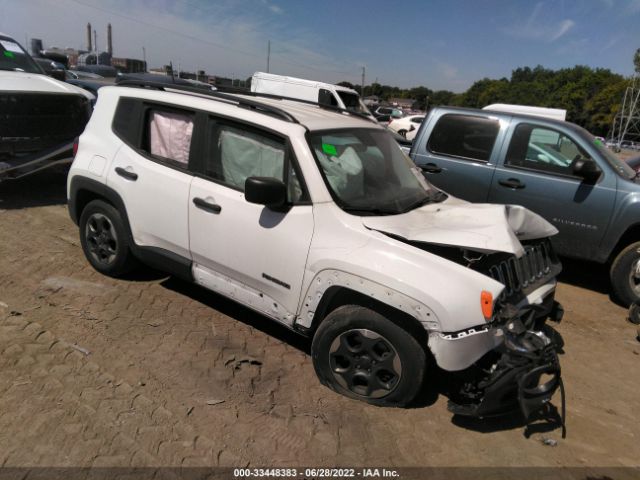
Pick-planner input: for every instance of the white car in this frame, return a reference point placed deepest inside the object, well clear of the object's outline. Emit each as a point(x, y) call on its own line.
point(39, 116)
point(318, 221)
point(404, 125)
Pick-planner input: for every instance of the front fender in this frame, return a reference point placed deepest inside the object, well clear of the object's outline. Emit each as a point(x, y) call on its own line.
point(329, 278)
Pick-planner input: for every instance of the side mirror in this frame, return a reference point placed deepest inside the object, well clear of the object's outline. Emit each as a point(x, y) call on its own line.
point(266, 191)
point(58, 74)
point(587, 169)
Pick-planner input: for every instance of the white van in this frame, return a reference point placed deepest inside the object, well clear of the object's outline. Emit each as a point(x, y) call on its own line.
point(309, 90)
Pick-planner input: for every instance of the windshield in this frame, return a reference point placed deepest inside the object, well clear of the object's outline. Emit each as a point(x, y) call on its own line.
point(368, 174)
point(352, 102)
point(14, 58)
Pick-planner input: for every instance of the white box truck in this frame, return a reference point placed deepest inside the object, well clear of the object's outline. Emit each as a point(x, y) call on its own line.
point(308, 90)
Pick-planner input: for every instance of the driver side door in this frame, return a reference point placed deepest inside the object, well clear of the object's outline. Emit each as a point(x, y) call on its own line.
point(246, 251)
point(536, 171)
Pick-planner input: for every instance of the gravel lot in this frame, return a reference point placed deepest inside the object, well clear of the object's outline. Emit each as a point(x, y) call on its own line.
point(153, 371)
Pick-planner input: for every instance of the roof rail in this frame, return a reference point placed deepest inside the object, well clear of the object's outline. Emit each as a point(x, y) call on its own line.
point(300, 100)
point(242, 102)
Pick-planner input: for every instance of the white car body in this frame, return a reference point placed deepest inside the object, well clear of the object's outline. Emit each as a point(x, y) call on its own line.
point(554, 113)
point(33, 82)
point(283, 263)
point(410, 123)
point(31, 101)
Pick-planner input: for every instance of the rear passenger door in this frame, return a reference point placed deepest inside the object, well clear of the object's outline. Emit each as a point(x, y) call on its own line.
point(537, 172)
point(243, 250)
point(457, 153)
point(151, 172)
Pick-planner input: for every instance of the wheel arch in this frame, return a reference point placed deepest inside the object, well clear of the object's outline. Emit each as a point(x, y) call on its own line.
point(331, 289)
point(84, 190)
point(631, 235)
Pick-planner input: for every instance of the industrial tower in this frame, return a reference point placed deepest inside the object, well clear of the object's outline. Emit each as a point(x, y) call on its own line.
point(626, 123)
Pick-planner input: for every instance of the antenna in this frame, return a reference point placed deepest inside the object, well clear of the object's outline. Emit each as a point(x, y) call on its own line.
point(268, 54)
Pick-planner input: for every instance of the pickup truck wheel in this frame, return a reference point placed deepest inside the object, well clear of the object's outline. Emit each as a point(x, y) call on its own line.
point(361, 354)
point(104, 239)
point(625, 275)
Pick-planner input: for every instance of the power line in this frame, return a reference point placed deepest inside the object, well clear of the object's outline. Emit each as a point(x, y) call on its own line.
point(196, 39)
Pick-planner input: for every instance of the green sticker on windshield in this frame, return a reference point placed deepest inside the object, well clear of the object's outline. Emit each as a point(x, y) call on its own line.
point(9, 54)
point(597, 141)
point(329, 149)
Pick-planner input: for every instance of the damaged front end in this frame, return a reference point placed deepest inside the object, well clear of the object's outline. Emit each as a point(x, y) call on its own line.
point(37, 130)
point(523, 371)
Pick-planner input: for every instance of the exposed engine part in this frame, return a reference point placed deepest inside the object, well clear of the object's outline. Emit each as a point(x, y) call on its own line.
point(522, 374)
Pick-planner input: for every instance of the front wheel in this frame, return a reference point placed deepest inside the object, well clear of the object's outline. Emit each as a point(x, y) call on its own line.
point(361, 354)
point(625, 275)
point(402, 133)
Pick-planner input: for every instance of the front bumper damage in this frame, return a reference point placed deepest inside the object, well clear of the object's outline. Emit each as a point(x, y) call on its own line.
point(17, 167)
point(521, 373)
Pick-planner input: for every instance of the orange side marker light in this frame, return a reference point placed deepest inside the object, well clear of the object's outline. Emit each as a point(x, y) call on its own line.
point(486, 303)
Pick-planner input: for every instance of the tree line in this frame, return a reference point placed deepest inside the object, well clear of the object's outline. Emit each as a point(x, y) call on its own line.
point(591, 96)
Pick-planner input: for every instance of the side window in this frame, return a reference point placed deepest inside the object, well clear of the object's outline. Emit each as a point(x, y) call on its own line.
point(326, 97)
point(235, 154)
point(417, 121)
point(167, 135)
point(464, 136)
point(126, 120)
point(543, 149)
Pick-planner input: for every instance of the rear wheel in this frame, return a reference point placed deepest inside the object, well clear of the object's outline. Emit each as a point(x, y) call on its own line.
point(361, 354)
point(103, 237)
point(402, 133)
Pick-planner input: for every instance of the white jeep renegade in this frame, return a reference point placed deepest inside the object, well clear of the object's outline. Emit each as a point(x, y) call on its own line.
point(316, 219)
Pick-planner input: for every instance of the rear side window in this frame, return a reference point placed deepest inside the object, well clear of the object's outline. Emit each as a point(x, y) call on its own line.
point(464, 136)
point(126, 120)
point(168, 135)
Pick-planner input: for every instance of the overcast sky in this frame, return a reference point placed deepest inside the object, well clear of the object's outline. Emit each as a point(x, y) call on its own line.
point(441, 44)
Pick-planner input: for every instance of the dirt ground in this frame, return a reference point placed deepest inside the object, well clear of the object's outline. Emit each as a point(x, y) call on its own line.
point(153, 371)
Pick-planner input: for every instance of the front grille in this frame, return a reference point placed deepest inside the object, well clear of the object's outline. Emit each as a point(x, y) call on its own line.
point(30, 122)
point(524, 274)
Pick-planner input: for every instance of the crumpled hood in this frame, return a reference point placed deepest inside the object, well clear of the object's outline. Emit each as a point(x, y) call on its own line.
point(34, 82)
point(477, 226)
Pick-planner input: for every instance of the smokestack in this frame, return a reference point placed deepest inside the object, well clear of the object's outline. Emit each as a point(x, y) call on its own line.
point(89, 46)
point(109, 42)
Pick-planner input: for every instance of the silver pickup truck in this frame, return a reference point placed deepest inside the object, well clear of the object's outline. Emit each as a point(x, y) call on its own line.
point(555, 168)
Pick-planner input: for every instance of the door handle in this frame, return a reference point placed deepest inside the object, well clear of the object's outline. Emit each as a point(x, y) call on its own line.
point(204, 205)
point(513, 183)
point(431, 168)
point(126, 174)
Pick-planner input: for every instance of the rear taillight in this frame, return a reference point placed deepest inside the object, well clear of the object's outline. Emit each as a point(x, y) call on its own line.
point(75, 146)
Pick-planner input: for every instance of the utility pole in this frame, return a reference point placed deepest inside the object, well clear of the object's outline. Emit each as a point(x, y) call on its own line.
point(268, 54)
point(144, 58)
point(362, 89)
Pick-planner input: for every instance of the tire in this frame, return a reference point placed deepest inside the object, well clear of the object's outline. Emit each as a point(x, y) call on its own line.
point(104, 239)
point(402, 133)
point(359, 353)
point(625, 275)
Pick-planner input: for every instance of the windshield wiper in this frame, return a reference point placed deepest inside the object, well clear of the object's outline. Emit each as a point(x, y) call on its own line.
point(369, 211)
point(436, 196)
